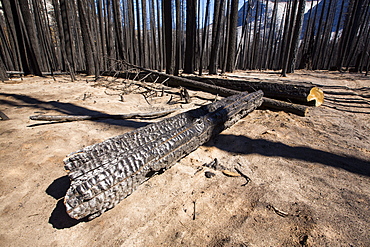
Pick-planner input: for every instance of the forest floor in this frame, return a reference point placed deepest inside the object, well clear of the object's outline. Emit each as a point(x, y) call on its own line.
point(310, 176)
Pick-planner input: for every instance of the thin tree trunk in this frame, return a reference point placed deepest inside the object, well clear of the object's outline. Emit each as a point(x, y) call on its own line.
point(32, 42)
point(295, 38)
point(118, 27)
point(288, 40)
point(3, 75)
point(26, 35)
point(103, 47)
point(190, 36)
point(67, 41)
point(86, 37)
point(213, 64)
point(232, 36)
point(13, 39)
point(145, 34)
point(178, 38)
point(204, 38)
point(167, 16)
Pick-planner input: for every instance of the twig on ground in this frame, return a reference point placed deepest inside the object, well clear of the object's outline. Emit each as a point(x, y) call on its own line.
point(277, 211)
point(244, 176)
point(194, 210)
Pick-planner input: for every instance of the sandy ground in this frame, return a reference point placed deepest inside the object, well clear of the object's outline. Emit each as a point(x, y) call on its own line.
point(310, 183)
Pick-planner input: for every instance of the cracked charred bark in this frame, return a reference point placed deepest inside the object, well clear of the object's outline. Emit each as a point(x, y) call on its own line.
point(104, 174)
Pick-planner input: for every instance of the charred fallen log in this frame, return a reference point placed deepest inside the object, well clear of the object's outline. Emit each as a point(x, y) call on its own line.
point(302, 94)
point(105, 173)
point(170, 80)
point(291, 92)
point(67, 118)
point(297, 109)
point(268, 103)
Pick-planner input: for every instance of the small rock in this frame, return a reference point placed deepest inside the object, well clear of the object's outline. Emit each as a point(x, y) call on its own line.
point(209, 174)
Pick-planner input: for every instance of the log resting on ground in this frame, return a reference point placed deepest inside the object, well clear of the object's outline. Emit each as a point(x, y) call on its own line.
point(105, 173)
point(66, 118)
point(171, 80)
point(291, 92)
point(302, 94)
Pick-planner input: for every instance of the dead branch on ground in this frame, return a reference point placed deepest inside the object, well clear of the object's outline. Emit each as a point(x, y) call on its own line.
point(67, 118)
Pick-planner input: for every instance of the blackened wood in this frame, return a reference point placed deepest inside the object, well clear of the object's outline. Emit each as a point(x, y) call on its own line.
point(295, 38)
point(194, 84)
point(232, 36)
point(66, 39)
point(178, 38)
point(145, 34)
point(216, 38)
point(181, 81)
point(288, 33)
point(3, 74)
point(139, 33)
point(63, 118)
point(167, 20)
point(30, 37)
point(104, 174)
point(282, 91)
point(204, 38)
point(191, 21)
point(8, 14)
point(297, 109)
point(25, 50)
point(102, 49)
point(88, 46)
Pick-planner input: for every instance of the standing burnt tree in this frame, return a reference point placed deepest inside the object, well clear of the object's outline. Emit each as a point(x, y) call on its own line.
point(217, 36)
point(88, 43)
point(3, 75)
point(294, 32)
point(167, 20)
point(189, 65)
point(230, 61)
point(90, 35)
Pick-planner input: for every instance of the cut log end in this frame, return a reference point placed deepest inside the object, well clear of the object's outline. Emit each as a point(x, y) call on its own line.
point(316, 94)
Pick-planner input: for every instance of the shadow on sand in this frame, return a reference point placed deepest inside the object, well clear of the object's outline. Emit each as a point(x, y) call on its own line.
point(64, 108)
point(244, 145)
point(59, 218)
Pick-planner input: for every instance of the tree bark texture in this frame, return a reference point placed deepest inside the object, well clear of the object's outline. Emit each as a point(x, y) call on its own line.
point(289, 92)
point(104, 174)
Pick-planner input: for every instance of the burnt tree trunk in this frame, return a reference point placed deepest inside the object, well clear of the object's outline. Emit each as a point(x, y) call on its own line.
point(204, 38)
point(167, 17)
point(289, 92)
point(216, 39)
point(178, 38)
point(88, 46)
point(230, 62)
point(27, 44)
point(104, 174)
point(295, 39)
point(211, 88)
point(189, 65)
point(3, 75)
